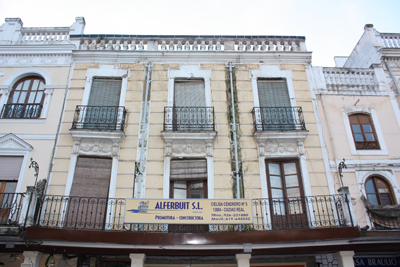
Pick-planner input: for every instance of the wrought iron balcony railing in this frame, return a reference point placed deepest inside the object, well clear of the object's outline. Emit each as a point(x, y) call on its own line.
point(295, 213)
point(278, 119)
point(380, 222)
point(189, 119)
point(99, 118)
point(11, 205)
point(21, 111)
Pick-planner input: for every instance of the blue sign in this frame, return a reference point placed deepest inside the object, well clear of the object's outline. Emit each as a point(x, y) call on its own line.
point(376, 262)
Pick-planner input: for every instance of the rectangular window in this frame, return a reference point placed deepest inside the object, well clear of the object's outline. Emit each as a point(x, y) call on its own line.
point(363, 132)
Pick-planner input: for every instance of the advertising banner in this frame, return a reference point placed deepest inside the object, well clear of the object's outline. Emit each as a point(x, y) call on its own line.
point(189, 211)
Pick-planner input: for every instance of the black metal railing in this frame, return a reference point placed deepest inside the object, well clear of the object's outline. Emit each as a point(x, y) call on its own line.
point(89, 213)
point(189, 119)
point(278, 119)
point(11, 208)
point(99, 118)
point(21, 111)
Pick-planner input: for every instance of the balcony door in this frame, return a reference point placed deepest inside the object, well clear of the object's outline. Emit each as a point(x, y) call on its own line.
point(275, 106)
point(287, 202)
point(87, 203)
point(190, 112)
point(102, 108)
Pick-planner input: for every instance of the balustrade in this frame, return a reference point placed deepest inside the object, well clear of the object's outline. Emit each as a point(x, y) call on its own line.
point(391, 40)
point(192, 43)
point(350, 79)
point(45, 34)
point(99, 118)
point(21, 111)
point(292, 213)
point(278, 119)
point(189, 119)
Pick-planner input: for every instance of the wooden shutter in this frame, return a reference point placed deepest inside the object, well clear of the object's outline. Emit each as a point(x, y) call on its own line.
point(10, 167)
point(105, 92)
point(273, 93)
point(92, 177)
point(188, 169)
point(189, 93)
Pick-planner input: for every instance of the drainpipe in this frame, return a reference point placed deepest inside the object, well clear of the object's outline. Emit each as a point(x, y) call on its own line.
point(234, 134)
point(394, 80)
point(144, 126)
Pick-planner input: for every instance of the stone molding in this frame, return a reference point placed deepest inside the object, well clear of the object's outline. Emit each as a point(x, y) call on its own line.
point(188, 144)
point(96, 143)
point(280, 144)
point(13, 142)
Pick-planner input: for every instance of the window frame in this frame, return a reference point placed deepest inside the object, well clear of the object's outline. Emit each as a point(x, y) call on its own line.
point(364, 143)
point(374, 179)
point(379, 135)
point(29, 91)
point(8, 86)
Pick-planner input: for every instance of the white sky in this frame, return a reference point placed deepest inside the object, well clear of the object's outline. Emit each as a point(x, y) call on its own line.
point(332, 28)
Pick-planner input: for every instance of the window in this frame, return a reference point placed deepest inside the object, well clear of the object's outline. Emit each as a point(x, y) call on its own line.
point(275, 107)
point(363, 132)
point(189, 111)
point(379, 191)
point(26, 99)
point(188, 179)
point(286, 194)
point(103, 111)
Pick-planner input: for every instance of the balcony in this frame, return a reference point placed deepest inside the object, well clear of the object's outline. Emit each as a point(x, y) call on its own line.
point(189, 119)
point(21, 111)
point(278, 119)
point(90, 213)
point(12, 211)
point(99, 118)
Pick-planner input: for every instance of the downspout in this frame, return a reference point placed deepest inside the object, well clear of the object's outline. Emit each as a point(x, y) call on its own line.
point(144, 119)
point(234, 134)
point(394, 80)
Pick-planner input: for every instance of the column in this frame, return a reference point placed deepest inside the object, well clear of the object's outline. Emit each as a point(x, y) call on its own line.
point(243, 260)
point(32, 257)
point(137, 259)
point(345, 258)
point(347, 206)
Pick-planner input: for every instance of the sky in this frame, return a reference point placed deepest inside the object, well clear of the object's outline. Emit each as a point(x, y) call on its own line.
point(331, 27)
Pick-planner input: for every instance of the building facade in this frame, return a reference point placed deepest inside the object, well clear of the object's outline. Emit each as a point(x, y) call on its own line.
point(172, 118)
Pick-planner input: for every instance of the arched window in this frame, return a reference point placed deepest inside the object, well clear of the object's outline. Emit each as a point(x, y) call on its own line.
point(26, 99)
point(363, 131)
point(379, 191)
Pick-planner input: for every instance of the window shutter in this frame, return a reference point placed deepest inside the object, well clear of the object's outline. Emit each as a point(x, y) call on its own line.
point(92, 177)
point(273, 93)
point(10, 167)
point(188, 169)
point(105, 92)
point(189, 93)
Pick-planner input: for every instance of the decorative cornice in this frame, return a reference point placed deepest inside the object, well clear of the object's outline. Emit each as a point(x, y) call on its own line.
point(276, 143)
point(188, 144)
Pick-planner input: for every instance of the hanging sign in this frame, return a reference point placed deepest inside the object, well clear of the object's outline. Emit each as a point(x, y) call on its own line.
point(189, 211)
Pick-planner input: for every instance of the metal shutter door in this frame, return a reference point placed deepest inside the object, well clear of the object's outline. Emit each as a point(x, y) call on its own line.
point(105, 92)
point(10, 167)
point(189, 93)
point(188, 169)
point(273, 93)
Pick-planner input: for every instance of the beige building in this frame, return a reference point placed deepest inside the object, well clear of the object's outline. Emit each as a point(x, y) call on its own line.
point(186, 122)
